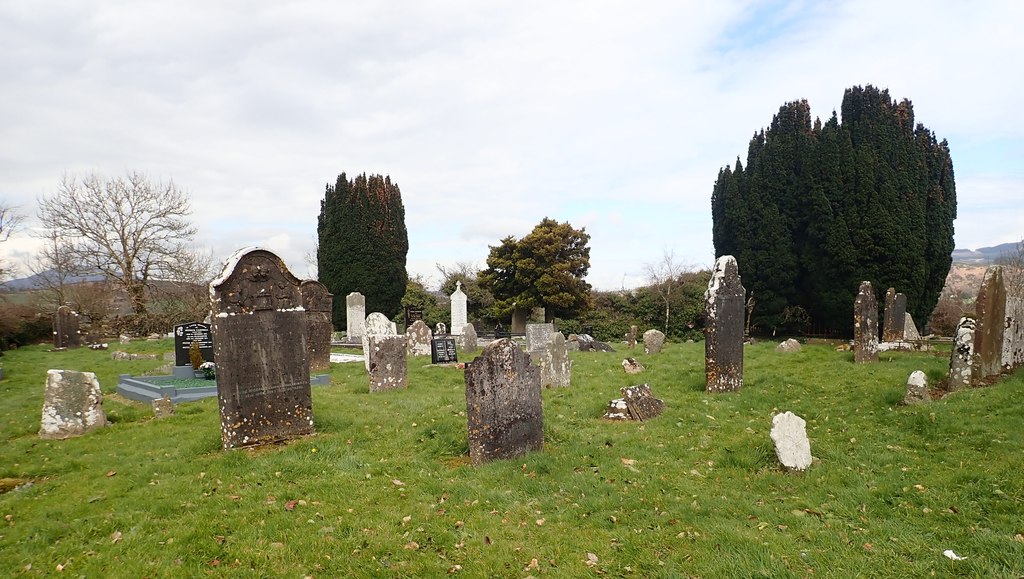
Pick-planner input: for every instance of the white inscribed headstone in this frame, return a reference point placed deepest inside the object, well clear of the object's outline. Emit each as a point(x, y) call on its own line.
point(789, 433)
point(377, 324)
point(355, 315)
point(459, 318)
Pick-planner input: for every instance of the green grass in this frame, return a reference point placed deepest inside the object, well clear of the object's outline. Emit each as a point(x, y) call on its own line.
point(385, 487)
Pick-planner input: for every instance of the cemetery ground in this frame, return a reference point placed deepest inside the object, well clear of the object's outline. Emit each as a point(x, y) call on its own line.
point(385, 488)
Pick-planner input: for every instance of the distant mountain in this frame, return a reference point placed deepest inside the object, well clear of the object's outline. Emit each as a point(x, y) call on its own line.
point(35, 281)
point(984, 255)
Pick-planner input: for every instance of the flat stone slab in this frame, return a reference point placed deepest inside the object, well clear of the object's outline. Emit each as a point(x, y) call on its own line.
point(148, 388)
point(789, 433)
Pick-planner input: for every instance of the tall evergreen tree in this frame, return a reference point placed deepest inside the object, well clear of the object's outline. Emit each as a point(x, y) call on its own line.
point(362, 243)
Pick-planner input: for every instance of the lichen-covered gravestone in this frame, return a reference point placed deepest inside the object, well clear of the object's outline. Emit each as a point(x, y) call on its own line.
point(910, 332)
point(419, 336)
point(1013, 334)
point(894, 322)
point(792, 447)
point(917, 388)
point(72, 404)
point(163, 407)
point(467, 340)
point(259, 330)
point(961, 358)
point(503, 403)
point(654, 340)
point(65, 328)
point(631, 337)
point(637, 403)
point(355, 316)
point(377, 324)
point(555, 366)
point(538, 336)
point(388, 363)
point(631, 366)
point(459, 315)
point(865, 324)
point(723, 330)
point(990, 317)
point(318, 303)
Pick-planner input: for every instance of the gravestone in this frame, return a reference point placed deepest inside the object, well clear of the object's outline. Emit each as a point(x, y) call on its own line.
point(990, 320)
point(631, 337)
point(505, 417)
point(459, 315)
point(163, 407)
point(467, 340)
point(440, 329)
point(588, 343)
point(259, 335)
point(910, 332)
point(723, 329)
point(412, 315)
point(519, 319)
point(319, 305)
point(788, 346)
point(538, 336)
point(72, 404)
point(961, 359)
point(789, 433)
point(1013, 334)
point(555, 366)
point(917, 388)
point(631, 366)
point(442, 350)
point(865, 324)
point(355, 316)
point(376, 324)
point(388, 363)
point(185, 334)
point(419, 336)
point(637, 403)
point(654, 341)
point(65, 328)
point(894, 322)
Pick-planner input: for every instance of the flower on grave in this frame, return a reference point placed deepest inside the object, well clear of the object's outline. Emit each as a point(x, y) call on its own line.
point(209, 370)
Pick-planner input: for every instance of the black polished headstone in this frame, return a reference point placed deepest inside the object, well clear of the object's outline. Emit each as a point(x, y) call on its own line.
point(185, 334)
point(442, 350)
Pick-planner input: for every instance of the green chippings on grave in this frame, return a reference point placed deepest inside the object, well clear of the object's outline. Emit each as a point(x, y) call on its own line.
point(386, 488)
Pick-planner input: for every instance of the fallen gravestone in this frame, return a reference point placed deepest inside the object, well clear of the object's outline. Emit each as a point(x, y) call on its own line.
point(319, 304)
point(865, 324)
point(555, 366)
point(789, 433)
point(917, 388)
point(637, 403)
point(990, 322)
point(122, 355)
point(503, 404)
point(961, 358)
point(72, 404)
point(163, 407)
point(723, 329)
point(259, 333)
point(388, 363)
point(588, 343)
point(788, 346)
point(654, 340)
point(419, 336)
point(631, 366)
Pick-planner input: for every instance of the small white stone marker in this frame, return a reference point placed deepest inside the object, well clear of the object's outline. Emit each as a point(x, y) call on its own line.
point(789, 433)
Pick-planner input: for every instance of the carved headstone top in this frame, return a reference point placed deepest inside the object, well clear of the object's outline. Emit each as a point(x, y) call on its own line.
point(315, 297)
point(253, 280)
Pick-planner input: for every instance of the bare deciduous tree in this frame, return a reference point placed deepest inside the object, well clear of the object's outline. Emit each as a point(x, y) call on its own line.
point(54, 269)
point(664, 278)
point(10, 220)
point(130, 229)
point(1013, 270)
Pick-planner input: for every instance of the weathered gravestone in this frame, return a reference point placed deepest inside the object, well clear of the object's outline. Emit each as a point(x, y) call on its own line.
point(631, 337)
point(865, 324)
point(65, 328)
point(185, 334)
point(467, 340)
point(1013, 334)
point(163, 407)
point(723, 330)
point(788, 346)
point(72, 404)
point(631, 366)
point(503, 404)
point(990, 318)
point(637, 403)
point(319, 305)
point(419, 336)
point(910, 332)
point(459, 314)
point(789, 433)
point(440, 329)
point(962, 357)
point(538, 336)
point(894, 322)
point(442, 350)
point(917, 388)
point(259, 333)
point(555, 366)
point(519, 319)
point(654, 341)
point(388, 363)
point(355, 316)
point(587, 343)
point(376, 324)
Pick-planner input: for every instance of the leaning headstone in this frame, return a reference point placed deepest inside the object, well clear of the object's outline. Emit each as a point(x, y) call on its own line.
point(163, 407)
point(917, 388)
point(355, 316)
point(789, 433)
point(503, 404)
point(65, 328)
point(1013, 334)
point(319, 305)
point(910, 332)
point(259, 333)
point(631, 337)
point(894, 322)
point(723, 329)
point(990, 317)
point(440, 329)
point(388, 363)
point(72, 404)
point(865, 324)
point(788, 346)
point(467, 340)
point(459, 315)
point(654, 341)
point(538, 336)
point(376, 324)
point(418, 335)
point(555, 366)
point(961, 358)
point(631, 366)
point(637, 403)
point(185, 334)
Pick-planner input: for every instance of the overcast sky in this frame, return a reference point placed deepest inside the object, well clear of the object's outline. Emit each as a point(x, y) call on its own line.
point(614, 116)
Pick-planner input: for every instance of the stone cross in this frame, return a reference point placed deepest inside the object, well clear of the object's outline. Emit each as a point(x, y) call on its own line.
point(65, 328)
point(72, 404)
point(259, 331)
point(419, 336)
point(388, 363)
point(894, 322)
point(319, 305)
point(990, 316)
point(865, 324)
point(503, 404)
point(723, 330)
point(962, 356)
point(459, 316)
point(654, 340)
point(555, 366)
point(355, 316)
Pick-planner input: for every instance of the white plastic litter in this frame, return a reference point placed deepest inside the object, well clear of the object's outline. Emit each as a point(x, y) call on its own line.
point(952, 556)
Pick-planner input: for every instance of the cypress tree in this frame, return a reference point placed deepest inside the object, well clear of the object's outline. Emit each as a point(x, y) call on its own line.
point(363, 243)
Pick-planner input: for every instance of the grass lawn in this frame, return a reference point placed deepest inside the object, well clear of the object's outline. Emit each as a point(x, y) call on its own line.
point(385, 488)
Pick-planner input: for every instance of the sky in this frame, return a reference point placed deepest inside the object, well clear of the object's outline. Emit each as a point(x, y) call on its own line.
point(490, 116)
